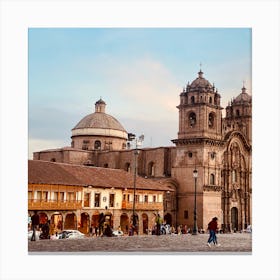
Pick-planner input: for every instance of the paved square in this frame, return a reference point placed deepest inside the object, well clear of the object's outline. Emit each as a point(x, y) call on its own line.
point(186, 243)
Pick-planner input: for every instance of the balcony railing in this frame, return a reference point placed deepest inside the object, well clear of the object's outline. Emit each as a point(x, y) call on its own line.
point(142, 205)
point(37, 204)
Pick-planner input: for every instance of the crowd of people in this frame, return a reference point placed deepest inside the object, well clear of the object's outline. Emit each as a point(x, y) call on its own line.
point(104, 228)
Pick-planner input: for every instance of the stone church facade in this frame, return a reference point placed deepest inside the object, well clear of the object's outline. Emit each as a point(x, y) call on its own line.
point(219, 148)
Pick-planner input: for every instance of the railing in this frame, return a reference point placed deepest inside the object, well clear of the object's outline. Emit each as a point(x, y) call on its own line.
point(37, 204)
point(142, 205)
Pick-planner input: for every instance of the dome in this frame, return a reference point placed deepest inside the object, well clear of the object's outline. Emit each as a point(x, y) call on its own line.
point(243, 97)
point(99, 120)
point(99, 123)
point(200, 83)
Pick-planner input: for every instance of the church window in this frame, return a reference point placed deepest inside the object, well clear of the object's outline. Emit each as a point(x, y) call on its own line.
point(97, 145)
point(190, 154)
point(192, 119)
point(106, 165)
point(212, 179)
point(210, 100)
point(192, 100)
point(237, 113)
point(233, 176)
point(151, 169)
point(127, 167)
point(85, 145)
point(216, 100)
point(53, 160)
point(211, 119)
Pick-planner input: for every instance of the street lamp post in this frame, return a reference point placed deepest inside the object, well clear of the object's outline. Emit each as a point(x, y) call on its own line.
point(136, 152)
point(195, 174)
point(138, 142)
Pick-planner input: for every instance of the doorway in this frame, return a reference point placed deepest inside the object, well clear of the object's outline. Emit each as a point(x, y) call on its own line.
point(234, 218)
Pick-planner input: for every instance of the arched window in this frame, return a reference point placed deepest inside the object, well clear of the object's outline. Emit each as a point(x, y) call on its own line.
point(210, 100)
point(192, 119)
point(211, 120)
point(233, 176)
point(192, 100)
point(212, 179)
point(151, 169)
point(216, 100)
point(97, 145)
point(127, 167)
point(237, 113)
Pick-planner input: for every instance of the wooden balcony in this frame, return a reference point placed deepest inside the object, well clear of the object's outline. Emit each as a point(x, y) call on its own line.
point(142, 205)
point(35, 204)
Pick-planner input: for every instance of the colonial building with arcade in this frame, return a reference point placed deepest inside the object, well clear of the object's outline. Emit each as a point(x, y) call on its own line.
point(75, 196)
point(218, 148)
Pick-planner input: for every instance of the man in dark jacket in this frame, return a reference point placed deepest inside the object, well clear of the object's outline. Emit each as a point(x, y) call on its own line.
point(35, 219)
point(212, 227)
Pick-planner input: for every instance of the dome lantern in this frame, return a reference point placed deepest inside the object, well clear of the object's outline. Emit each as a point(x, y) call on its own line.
point(100, 106)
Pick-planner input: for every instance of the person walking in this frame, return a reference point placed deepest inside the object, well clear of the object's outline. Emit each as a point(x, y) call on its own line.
point(158, 223)
point(35, 220)
point(212, 227)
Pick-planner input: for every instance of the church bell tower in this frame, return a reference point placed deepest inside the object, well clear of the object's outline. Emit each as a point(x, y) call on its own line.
point(200, 113)
point(197, 149)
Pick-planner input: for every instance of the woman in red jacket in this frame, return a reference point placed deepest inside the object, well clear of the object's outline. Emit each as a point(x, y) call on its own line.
point(212, 227)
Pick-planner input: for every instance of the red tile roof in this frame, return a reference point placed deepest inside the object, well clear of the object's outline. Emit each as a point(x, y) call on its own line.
point(45, 172)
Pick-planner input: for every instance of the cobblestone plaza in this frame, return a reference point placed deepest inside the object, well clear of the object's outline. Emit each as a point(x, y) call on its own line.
point(165, 244)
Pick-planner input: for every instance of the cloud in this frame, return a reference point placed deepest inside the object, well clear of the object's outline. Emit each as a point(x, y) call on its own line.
point(145, 86)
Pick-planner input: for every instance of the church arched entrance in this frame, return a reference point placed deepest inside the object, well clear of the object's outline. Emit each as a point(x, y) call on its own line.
point(168, 219)
point(234, 218)
point(145, 223)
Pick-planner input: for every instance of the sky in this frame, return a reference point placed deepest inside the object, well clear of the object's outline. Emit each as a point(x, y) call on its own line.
point(138, 72)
